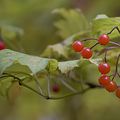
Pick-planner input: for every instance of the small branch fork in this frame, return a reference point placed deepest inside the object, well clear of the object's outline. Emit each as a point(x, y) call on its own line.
point(113, 43)
point(21, 83)
point(116, 27)
point(116, 68)
point(105, 59)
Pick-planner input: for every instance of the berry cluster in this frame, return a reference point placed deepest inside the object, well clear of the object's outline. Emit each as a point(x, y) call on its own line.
point(104, 68)
point(79, 47)
point(105, 81)
point(87, 52)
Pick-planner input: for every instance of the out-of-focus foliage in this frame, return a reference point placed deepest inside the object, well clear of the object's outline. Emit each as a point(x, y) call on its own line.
point(95, 7)
point(72, 21)
point(36, 19)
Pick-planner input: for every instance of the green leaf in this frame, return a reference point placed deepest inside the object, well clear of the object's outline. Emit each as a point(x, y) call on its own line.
point(4, 86)
point(105, 25)
point(73, 21)
point(66, 66)
point(9, 57)
point(18, 61)
point(56, 50)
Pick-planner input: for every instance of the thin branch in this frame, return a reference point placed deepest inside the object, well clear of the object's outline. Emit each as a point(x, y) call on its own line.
point(23, 84)
point(116, 69)
point(105, 58)
point(90, 85)
point(118, 75)
point(69, 95)
point(4, 76)
point(30, 88)
point(48, 85)
point(107, 49)
point(116, 27)
point(67, 85)
point(88, 39)
point(94, 45)
point(38, 84)
point(114, 43)
point(64, 79)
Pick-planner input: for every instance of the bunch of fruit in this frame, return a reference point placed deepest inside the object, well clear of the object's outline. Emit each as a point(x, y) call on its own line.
point(104, 67)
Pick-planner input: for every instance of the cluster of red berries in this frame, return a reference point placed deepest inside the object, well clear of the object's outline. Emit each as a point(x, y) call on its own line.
point(105, 81)
point(104, 68)
point(87, 52)
point(79, 47)
point(2, 45)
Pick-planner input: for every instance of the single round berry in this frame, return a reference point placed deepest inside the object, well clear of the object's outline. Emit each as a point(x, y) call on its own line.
point(111, 87)
point(2, 45)
point(104, 68)
point(86, 53)
point(56, 88)
point(104, 80)
point(77, 46)
point(104, 39)
point(118, 92)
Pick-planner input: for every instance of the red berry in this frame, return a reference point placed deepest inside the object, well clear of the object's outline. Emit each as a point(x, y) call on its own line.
point(104, 39)
point(86, 53)
point(56, 88)
point(118, 92)
point(77, 46)
point(2, 45)
point(111, 87)
point(104, 68)
point(104, 80)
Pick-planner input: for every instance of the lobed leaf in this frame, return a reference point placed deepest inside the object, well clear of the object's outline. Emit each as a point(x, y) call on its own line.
point(12, 59)
point(103, 25)
point(9, 57)
point(73, 21)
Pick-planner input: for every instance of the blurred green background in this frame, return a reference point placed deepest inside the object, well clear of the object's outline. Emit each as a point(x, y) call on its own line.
point(36, 19)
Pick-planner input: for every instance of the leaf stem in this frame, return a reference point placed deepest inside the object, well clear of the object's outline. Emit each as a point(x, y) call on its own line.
point(114, 43)
point(94, 45)
point(116, 69)
point(38, 84)
point(48, 85)
point(116, 27)
point(88, 39)
point(67, 85)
